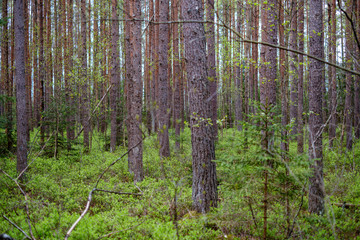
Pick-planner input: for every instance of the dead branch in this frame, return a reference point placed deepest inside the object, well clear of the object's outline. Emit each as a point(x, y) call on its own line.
point(17, 227)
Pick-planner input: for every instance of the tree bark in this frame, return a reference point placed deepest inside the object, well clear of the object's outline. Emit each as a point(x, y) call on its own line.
point(85, 101)
point(316, 69)
point(293, 59)
point(300, 97)
point(21, 116)
point(115, 76)
point(163, 96)
point(211, 62)
point(134, 88)
point(204, 187)
point(332, 73)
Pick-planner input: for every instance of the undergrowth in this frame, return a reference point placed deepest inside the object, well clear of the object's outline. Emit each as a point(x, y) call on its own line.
point(57, 191)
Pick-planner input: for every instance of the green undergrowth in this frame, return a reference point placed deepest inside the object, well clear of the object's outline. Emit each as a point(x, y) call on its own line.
point(58, 188)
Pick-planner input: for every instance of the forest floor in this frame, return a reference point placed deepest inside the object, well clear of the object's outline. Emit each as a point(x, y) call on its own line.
point(160, 207)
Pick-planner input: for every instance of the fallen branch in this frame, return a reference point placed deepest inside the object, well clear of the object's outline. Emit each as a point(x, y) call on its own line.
point(95, 189)
point(17, 227)
point(119, 193)
point(26, 202)
point(346, 205)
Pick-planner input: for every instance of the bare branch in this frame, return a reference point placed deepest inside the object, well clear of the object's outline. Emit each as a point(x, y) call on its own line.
point(17, 227)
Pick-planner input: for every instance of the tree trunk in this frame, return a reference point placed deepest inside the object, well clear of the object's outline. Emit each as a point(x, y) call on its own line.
point(134, 88)
point(293, 69)
point(300, 97)
point(211, 62)
point(332, 73)
point(204, 187)
point(115, 75)
point(163, 97)
point(85, 101)
point(349, 83)
point(316, 68)
point(176, 74)
point(238, 75)
point(21, 116)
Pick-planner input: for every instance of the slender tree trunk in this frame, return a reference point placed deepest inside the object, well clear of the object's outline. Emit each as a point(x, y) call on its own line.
point(163, 97)
point(211, 62)
point(357, 82)
point(349, 82)
point(238, 75)
point(21, 116)
point(293, 59)
point(332, 75)
point(134, 88)
point(176, 74)
point(300, 110)
point(70, 131)
point(316, 68)
point(115, 75)
point(5, 76)
point(27, 66)
point(204, 187)
point(85, 103)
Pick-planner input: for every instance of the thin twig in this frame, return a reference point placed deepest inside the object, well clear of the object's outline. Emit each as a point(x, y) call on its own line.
point(26, 202)
point(17, 227)
point(126, 229)
point(119, 193)
point(22, 172)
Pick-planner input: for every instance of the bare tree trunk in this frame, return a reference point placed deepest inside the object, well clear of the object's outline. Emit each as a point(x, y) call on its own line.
point(332, 72)
point(5, 76)
point(211, 61)
point(300, 97)
point(70, 131)
point(316, 68)
point(349, 82)
point(134, 88)
point(163, 97)
point(204, 187)
point(115, 75)
point(238, 75)
point(85, 105)
point(27, 66)
point(293, 59)
point(21, 116)
point(176, 74)
point(357, 82)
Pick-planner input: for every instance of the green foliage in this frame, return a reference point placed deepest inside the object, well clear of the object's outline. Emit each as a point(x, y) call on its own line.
point(58, 190)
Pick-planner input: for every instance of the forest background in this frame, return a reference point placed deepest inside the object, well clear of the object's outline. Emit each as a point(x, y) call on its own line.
point(180, 119)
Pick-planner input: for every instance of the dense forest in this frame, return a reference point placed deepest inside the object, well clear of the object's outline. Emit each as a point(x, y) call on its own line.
point(181, 119)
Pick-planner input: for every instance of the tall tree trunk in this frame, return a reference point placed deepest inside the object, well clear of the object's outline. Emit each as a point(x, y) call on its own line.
point(134, 88)
point(357, 81)
point(163, 96)
point(211, 61)
point(268, 83)
point(293, 69)
point(5, 76)
point(115, 75)
point(27, 65)
point(204, 187)
point(70, 131)
point(41, 67)
point(85, 101)
point(332, 75)
point(21, 116)
point(300, 97)
point(316, 68)
point(176, 74)
point(349, 81)
point(238, 75)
